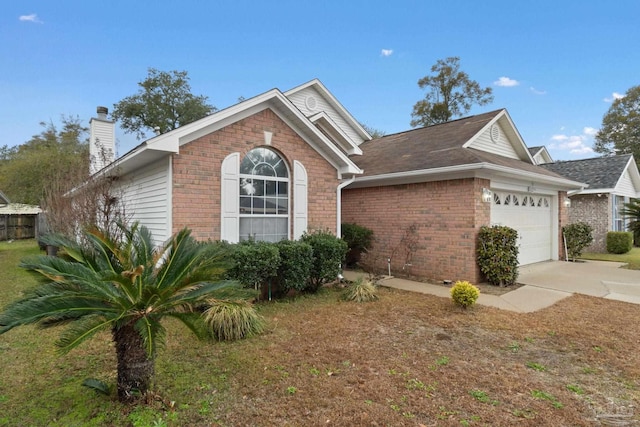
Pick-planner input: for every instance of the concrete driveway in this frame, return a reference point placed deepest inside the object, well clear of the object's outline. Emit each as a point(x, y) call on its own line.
point(595, 278)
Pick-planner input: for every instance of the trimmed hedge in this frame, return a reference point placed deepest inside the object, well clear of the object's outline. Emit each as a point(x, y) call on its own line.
point(254, 263)
point(358, 239)
point(294, 270)
point(328, 255)
point(577, 236)
point(497, 254)
point(619, 242)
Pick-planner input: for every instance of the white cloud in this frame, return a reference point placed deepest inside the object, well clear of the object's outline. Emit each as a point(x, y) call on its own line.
point(506, 82)
point(386, 52)
point(574, 144)
point(614, 96)
point(589, 131)
point(30, 18)
point(537, 92)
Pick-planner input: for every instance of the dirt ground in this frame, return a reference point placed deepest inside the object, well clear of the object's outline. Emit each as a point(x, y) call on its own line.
point(418, 360)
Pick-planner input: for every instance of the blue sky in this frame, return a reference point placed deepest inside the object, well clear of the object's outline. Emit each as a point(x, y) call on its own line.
point(555, 65)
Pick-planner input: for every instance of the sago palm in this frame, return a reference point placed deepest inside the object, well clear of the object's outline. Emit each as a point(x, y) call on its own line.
point(631, 211)
point(124, 285)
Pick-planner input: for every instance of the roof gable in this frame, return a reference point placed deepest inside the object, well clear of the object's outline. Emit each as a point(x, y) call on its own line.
point(540, 155)
point(313, 97)
point(170, 142)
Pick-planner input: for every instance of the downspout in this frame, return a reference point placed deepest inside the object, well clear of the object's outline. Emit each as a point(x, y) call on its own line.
point(339, 204)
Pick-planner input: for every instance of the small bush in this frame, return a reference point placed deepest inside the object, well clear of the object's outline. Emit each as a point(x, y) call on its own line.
point(497, 254)
point(577, 236)
point(358, 239)
point(619, 242)
point(464, 294)
point(294, 270)
point(232, 320)
point(255, 263)
point(361, 291)
point(328, 254)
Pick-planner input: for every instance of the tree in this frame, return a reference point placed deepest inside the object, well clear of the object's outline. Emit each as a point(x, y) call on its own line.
point(163, 103)
point(450, 93)
point(375, 133)
point(620, 131)
point(27, 169)
point(125, 286)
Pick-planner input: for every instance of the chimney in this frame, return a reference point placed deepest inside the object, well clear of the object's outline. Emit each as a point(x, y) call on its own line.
point(102, 140)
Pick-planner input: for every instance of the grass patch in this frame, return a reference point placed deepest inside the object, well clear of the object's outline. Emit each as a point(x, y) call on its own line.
point(631, 258)
point(322, 359)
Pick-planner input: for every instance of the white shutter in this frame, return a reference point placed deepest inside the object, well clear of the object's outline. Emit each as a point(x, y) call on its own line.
point(229, 209)
point(299, 199)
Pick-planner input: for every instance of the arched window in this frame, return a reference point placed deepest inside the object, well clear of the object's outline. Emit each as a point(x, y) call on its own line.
point(264, 196)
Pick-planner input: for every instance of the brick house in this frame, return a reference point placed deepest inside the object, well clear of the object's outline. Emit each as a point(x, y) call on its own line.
point(612, 182)
point(281, 163)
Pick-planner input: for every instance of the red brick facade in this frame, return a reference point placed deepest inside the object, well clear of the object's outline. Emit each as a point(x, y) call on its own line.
point(446, 216)
point(196, 174)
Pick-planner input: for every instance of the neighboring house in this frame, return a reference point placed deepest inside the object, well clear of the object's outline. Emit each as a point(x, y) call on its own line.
point(282, 163)
point(17, 220)
point(612, 182)
point(434, 187)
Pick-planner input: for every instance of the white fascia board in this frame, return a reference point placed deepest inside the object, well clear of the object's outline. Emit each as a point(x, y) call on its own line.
point(633, 173)
point(481, 170)
point(591, 191)
point(343, 139)
point(317, 84)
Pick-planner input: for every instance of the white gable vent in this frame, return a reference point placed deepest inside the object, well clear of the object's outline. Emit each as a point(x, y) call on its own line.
point(311, 103)
point(495, 132)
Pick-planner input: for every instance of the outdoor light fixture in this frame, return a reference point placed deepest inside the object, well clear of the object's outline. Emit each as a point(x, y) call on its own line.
point(486, 195)
point(567, 202)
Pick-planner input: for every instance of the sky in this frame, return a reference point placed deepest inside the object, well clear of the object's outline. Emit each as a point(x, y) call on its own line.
point(556, 66)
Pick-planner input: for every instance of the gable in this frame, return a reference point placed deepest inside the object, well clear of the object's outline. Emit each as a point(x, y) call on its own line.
point(312, 98)
point(494, 140)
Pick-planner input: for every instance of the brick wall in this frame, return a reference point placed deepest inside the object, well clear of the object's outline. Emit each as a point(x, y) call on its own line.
point(594, 211)
point(446, 215)
point(196, 174)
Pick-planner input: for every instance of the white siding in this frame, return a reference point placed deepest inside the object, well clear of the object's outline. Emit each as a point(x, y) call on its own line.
point(299, 99)
point(102, 137)
point(502, 147)
point(625, 186)
point(147, 197)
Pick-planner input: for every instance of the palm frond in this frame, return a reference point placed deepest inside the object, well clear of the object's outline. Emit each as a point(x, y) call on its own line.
point(192, 320)
point(151, 332)
point(81, 330)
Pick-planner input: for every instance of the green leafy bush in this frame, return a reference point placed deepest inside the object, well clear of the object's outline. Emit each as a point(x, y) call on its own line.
point(294, 270)
point(497, 254)
point(577, 236)
point(358, 239)
point(328, 254)
point(232, 320)
point(619, 242)
point(255, 263)
point(464, 293)
point(361, 290)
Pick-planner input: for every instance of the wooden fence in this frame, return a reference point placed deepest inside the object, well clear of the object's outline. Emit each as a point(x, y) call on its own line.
point(13, 227)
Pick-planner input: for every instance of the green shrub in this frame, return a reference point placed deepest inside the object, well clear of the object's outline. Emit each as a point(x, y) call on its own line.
point(255, 263)
point(294, 270)
point(619, 242)
point(361, 290)
point(464, 294)
point(358, 239)
point(328, 254)
point(232, 320)
point(577, 236)
point(497, 254)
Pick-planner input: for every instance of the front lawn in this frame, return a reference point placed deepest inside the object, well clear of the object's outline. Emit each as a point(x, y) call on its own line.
point(406, 360)
point(632, 258)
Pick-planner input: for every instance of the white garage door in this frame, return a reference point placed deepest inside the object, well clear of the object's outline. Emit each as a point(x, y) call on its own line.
point(530, 215)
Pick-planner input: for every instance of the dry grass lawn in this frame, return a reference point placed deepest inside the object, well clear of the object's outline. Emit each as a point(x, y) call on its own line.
point(404, 360)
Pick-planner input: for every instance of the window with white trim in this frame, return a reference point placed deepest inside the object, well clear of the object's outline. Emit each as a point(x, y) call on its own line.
point(619, 222)
point(264, 196)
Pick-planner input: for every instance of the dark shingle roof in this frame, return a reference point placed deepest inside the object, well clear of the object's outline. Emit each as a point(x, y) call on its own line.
point(431, 147)
point(599, 172)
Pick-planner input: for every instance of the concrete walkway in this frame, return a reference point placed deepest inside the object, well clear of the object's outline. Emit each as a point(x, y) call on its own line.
point(544, 284)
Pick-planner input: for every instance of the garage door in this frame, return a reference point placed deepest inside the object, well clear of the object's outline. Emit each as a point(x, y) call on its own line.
point(530, 215)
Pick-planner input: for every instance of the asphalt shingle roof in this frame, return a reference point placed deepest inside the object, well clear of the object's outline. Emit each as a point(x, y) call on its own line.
point(598, 172)
point(432, 147)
